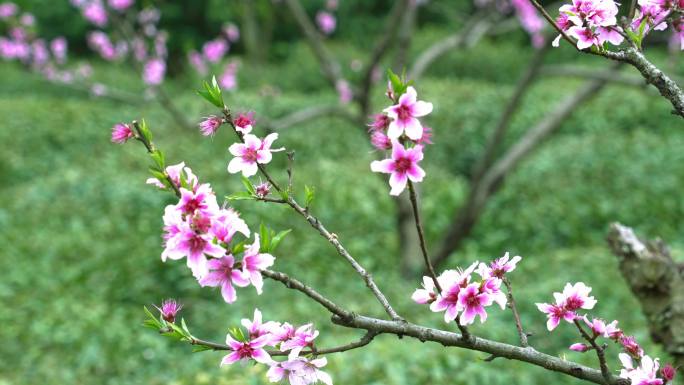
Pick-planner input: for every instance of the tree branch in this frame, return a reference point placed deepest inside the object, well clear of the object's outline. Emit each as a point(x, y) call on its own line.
point(516, 315)
point(528, 354)
point(600, 351)
point(330, 67)
point(468, 215)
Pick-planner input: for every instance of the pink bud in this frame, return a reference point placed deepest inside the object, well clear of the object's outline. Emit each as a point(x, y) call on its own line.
point(668, 372)
point(579, 347)
point(121, 133)
point(210, 125)
point(169, 309)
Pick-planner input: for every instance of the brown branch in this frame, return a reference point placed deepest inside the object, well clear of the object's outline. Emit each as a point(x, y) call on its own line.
point(524, 84)
point(365, 340)
point(310, 113)
point(600, 351)
point(421, 236)
point(516, 315)
point(528, 354)
point(468, 215)
point(330, 67)
point(478, 23)
point(316, 224)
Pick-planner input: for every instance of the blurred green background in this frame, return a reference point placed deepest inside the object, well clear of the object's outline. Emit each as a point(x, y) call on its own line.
point(80, 230)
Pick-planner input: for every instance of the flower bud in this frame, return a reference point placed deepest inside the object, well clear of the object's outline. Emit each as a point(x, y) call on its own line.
point(121, 133)
point(668, 372)
point(169, 309)
point(579, 347)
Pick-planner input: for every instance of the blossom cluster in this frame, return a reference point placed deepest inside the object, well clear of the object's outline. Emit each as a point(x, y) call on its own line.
point(591, 22)
point(213, 51)
point(638, 367)
point(398, 129)
point(655, 15)
point(146, 43)
point(23, 43)
point(463, 295)
point(196, 228)
point(299, 370)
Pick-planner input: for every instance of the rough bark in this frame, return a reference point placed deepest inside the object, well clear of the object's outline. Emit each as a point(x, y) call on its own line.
point(657, 281)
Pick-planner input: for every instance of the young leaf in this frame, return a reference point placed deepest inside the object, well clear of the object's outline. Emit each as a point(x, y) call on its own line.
point(275, 241)
point(238, 248)
point(158, 158)
point(248, 185)
point(200, 348)
point(309, 192)
point(265, 238)
point(145, 131)
point(239, 196)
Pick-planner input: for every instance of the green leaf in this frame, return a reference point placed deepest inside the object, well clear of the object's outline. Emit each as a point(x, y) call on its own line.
point(185, 327)
point(395, 81)
point(158, 158)
point(248, 185)
point(238, 196)
point(145, 131)
point(238, 248)
point(275, 241)
point(284, 195)
point(212, 92)
point(310, 193)
point(264, 234)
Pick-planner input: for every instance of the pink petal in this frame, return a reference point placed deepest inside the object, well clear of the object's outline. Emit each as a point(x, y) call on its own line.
point(230, 358)
point(468, 316)
point(552, 323)
point(385, 166)
point(415, 173)
point(212, 279)
point(252, 141)
point(413, 129)
point(395, 129)
point(450, 314)
point(398, 150)
point(398, 183)
point(228, 292)
point(239, 278)
point(235, 165)
point(264, 156)
point(421, 108)
point(409, 97)
point(257, 281)
point(249, 169)
point(237, 149)
point(268, 141)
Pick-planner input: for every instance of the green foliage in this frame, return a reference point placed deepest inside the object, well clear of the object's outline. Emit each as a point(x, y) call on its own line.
point(81, 230)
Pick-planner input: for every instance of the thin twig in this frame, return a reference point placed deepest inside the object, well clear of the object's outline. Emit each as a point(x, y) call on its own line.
point(600, 351)
point(554, 24)
point(315, 223)
point(150, 149)
point(421, 236)
point(516, 315)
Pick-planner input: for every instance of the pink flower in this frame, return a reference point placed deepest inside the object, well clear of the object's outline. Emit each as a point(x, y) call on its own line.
point(228, 79)
point(222, 274)
point(232, 32)
point(631, 346)
point(598, 326)
point(214, 50)
point(169, 309)
point(426, 138)
point(95, 13)
point(201, 199)
point(402, 166)
point(197, 62)
point(120, 5)
point(121, 133)
point(58, 46)
point(175, 174)
point(344, 91)
point(210, 125)
point(472, 301)
point(577, 297)
point(380, 123)
point(591, 22)
point(644, 374)
point(244, 122)
point(250, 153)
point(8, 10)
point(326, 22)
point(555, 313)
point(153, 71)
point(528, 16)
point(226, 223)
point(257, 328)
point(262, 190)
point(427, 294)
point(300, 371)
point(283, 333)
point(613, 332)
point(579, 347)
point(405, 115)
point(253, 262)
point(452, 282)
point(193, 245)
point(244, 351)
point(668, 372)
point(380, 141)
point(303, 337)
point(499, 267)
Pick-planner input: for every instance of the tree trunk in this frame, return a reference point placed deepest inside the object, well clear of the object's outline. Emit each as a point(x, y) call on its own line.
point(658, 283)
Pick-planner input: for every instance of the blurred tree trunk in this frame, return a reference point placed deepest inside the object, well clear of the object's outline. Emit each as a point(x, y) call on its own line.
point(657, 281)
point(256, 33)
